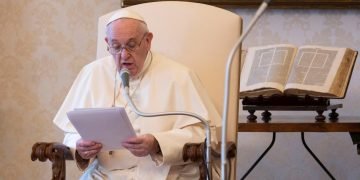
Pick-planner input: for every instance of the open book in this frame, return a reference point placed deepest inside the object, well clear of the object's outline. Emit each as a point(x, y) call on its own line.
point(316, 71)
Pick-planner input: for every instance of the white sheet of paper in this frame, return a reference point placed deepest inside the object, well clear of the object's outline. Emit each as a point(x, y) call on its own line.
point(109, 126)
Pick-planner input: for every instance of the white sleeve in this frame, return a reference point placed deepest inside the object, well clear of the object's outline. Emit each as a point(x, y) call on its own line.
point(172, 142)
point(70, 141)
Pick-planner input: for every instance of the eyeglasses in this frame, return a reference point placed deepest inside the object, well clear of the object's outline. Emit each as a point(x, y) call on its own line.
point(130, 46)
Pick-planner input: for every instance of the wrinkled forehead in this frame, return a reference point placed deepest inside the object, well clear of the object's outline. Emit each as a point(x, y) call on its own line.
point(125, 28)
point(125, 23)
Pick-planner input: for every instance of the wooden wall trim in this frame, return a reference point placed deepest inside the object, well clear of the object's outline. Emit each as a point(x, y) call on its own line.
point(275, 4)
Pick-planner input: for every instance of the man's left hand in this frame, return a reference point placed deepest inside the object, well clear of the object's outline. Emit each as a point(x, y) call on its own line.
point(142, 145)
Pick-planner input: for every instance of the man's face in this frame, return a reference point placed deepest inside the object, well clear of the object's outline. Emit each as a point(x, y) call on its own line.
point(131, 42)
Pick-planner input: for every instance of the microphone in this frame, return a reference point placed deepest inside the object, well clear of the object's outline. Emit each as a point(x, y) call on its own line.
point(124, 74)
point(257, 15)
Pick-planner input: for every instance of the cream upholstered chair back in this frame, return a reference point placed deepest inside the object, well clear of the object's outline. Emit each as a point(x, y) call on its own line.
point(199, 36)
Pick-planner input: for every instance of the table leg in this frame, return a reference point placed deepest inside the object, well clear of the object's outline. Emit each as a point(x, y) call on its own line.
point(314, 156)
point(261, 156)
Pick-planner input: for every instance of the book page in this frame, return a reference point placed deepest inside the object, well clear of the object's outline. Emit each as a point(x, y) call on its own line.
point(343, 76)
point(266, 67)
point(315, 68)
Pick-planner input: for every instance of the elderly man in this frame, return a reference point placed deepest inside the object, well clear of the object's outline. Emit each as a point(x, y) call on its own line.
point(157, 84)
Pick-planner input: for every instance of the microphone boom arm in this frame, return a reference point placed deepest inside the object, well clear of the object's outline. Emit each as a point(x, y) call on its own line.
point(205, 123)
point(257, 15)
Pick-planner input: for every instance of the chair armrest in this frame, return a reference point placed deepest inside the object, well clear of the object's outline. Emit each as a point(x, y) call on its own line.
point(196, 153)
point(57, 153)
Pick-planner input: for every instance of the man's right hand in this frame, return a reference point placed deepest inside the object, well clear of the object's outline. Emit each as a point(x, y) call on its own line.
point(87, 149)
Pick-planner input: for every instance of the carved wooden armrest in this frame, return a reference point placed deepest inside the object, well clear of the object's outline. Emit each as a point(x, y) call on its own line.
point(196, 153)
point(57, 153)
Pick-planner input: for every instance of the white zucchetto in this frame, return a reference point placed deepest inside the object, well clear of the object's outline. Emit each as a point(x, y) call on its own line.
point(125, 13)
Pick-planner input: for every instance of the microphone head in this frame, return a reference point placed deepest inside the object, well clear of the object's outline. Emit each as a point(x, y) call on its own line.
point(125, 75)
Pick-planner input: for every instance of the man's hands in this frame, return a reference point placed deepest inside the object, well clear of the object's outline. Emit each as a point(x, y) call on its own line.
point(142, 145)
point(139, 146)
point(87, 149)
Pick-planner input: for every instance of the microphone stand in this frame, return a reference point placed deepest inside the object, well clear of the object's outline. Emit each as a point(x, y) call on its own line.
point(205, 123)
point(257, 15)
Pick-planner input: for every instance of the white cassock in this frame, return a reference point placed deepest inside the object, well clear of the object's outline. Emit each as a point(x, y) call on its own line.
point(162, 85)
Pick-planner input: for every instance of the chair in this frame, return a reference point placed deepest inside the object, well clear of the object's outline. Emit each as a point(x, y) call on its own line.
point(200, 36)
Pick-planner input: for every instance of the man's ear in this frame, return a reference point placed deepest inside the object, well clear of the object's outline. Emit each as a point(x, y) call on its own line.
point(148, 39)
point(107, 42)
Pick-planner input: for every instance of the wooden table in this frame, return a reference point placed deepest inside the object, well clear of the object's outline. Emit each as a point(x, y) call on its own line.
point(282, 123)
point(298, 123)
